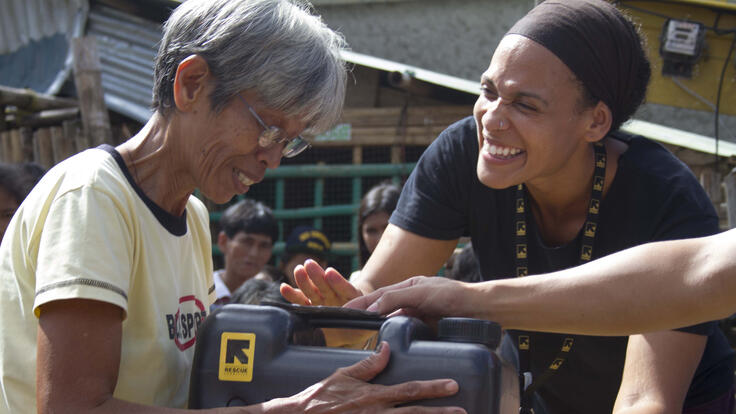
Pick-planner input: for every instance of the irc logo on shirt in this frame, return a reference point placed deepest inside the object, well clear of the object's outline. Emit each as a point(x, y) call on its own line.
point(598, 183)
point(586, 253)
point(520, 205)
point(556, 364)
point(590, 229)
point(600, 161)
point(521, 228)
point(523, 342)
point(521, 251)
point(595, 206)
point(567, 344)
point(184, 323)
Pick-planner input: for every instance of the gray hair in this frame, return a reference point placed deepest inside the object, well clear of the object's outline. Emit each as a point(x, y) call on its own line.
point(276, 48)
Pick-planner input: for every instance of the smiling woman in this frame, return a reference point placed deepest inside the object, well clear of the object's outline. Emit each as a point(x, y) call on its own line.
point(111, 253)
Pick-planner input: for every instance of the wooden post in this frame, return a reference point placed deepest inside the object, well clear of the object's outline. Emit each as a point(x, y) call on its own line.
point(32, 101)
point(73, 133)
point(3, 124)
point(16, 146)
point(396, 154)
point(729, 184)
point(26, 142)
point(62, 147)
point(88, 80)
point(42, 150)
point(4, 146)
point(357, 190)
point(711, 182)
point(42, 119)
point(357, 155)
point(19, 145)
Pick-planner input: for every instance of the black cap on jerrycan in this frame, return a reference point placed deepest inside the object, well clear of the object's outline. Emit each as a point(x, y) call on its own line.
point(470, 330)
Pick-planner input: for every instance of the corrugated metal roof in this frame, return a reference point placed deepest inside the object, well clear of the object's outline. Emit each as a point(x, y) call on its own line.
point(34, 41)
point(127, 46)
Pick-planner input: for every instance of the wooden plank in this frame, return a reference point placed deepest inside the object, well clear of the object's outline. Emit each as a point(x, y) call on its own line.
point(729, 184)
point(43, 152)
point(691, 157)
point(426, 115)
point(88, 80)
point(357, 155)
point(16, 146)
point(26, 136)
point(44, 118)
point(73, 132)
point(711, 182)
point(376, 136)
point(20, 146)
point(62, 147)
point(31, 100)
point(397, 154)
point(394, 133)
point(362, 93)
point(4, 148)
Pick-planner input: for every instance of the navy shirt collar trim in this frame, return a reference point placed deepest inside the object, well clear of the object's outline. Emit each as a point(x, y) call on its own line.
point(175, 225)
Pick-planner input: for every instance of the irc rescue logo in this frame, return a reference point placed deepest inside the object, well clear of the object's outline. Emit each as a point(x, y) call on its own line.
point(184, 323)
point(236, 356)
point(556, 364)
point(523, 342)
point(521, 228)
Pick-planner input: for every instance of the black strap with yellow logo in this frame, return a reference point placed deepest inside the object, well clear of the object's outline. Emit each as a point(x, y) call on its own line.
point(529, 385)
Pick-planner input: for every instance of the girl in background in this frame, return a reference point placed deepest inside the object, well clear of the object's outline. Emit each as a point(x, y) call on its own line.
point(375, 209)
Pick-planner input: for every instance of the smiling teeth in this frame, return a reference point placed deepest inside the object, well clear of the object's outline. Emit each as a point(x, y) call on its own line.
point(503, 151)
point(245, 180)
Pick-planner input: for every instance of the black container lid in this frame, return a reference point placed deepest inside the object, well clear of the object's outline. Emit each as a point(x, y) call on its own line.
point(478, 331)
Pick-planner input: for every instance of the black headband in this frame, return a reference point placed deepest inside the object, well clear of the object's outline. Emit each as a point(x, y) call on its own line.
point(599, 45)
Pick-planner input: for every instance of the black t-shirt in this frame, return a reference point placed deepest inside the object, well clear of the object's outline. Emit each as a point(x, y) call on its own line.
point(654, 196)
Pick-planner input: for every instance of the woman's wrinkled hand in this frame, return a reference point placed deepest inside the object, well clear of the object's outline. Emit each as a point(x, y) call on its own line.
point(347, 391)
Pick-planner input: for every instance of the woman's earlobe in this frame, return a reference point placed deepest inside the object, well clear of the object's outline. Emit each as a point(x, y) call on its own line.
point(191, 78)
point(601, 122)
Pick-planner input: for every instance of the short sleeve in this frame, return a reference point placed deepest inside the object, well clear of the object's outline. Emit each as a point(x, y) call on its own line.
point(85, 250)
point(434, 200)
point(688, 214)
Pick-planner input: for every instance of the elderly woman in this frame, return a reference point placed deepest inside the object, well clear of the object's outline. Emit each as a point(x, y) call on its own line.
point(106, 272)
point(541, 180)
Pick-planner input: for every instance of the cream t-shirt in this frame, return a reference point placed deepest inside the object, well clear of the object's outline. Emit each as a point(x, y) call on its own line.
point(87, 232)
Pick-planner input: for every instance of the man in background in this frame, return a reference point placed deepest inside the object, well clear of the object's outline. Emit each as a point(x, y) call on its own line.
point(248, 231)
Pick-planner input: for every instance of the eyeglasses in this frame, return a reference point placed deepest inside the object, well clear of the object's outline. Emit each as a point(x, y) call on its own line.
point(274, 135)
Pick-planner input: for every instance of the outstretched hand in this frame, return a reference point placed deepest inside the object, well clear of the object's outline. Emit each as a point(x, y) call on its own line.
point(420, 296)
point(318, 286)
point(326, 288)
point(347, 391)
